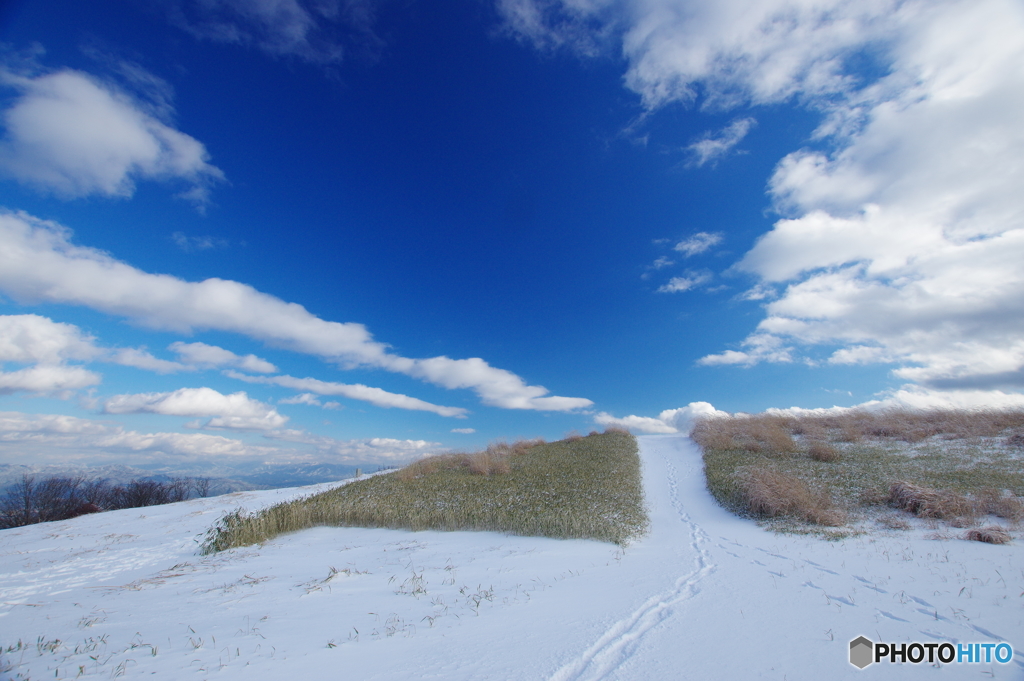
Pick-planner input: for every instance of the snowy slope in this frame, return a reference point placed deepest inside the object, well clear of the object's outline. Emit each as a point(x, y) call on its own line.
point(705, 595)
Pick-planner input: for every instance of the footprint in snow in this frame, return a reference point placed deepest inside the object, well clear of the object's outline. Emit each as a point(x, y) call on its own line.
point(841, 599)
point(986, 632)
point(891, 616)
point(822, 567)
point(870, 584)
point(934, 614)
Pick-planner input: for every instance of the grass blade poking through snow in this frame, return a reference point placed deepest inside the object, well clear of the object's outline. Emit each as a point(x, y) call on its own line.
point(587, 488)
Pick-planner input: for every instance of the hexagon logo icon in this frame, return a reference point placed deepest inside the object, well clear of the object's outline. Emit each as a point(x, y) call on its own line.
point(862, 650)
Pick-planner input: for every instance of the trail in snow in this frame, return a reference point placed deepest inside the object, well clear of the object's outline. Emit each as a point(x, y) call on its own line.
point(704, 595)
point(620, 642)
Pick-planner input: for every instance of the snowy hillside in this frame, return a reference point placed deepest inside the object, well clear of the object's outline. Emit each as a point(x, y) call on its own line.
point(705, 595)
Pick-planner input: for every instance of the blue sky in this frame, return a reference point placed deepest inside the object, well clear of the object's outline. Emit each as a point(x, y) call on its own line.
point(284, 230)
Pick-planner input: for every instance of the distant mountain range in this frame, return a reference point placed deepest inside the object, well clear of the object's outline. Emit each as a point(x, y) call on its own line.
point(222, 481)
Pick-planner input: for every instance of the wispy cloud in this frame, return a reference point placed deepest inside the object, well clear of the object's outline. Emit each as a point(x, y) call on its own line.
point(212, 357)
point(191, 244)
point(317, 31)
point(310, 399)
point(39, 263)
point(464, 431)
point(685, 283)
point(375, 396)
point(713, 146)
point(701, 242)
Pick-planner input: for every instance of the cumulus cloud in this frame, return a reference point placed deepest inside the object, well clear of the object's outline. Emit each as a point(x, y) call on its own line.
point(48, 345)
point(30, 338)
point(904, 229)
point(679, 420)
point(47, 380)
point(38, 263)
point(380, 450)
point(700, 242)
point(63, 439)
point(685, 283)
point(59, 436)
point(72, 135)
point(237, 411)
point(213, 357)
point(713, 146)
point(375, 396)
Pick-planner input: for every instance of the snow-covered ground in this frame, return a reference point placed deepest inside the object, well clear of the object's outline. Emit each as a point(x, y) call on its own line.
point(705, 595)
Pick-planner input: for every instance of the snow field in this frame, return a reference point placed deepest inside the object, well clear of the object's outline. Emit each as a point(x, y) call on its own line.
point(704, 595)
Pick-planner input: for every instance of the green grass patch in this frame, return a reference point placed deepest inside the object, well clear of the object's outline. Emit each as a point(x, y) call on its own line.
point(588, 488)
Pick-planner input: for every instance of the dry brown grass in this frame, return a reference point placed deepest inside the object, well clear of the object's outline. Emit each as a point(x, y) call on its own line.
point(989, 535)
point(492, 461)
point(925, 502)
point(893, 522)
point(991, 501)
point(823, 451)
point(767, 492)
point(950, 466)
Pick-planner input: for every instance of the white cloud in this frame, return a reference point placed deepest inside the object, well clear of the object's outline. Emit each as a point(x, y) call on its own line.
point(236, 411)
point(375, 396)
point(213, 357)
point(679, 420)
point(711, 147)
point(906, 233)
point(700, 242)
point(48, 345)
point(141, 359)
point(381, 450)
point(68, 437)
point(679, 284)
point(464, 431)
point(304, 398)
point(38, 263)
point(30, 338)
point(72, 135)
point(496, 387)
point(46, 379)
point(761, 347)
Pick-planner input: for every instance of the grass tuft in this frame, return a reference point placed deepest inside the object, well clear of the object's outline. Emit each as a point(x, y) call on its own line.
point(770, 493)
point(989, 535)
point(587, 488)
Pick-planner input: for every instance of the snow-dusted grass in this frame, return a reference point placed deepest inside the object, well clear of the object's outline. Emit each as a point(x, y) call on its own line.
point(586, 488)
point(967, 462)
